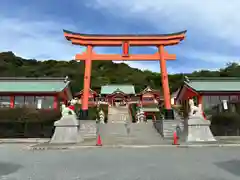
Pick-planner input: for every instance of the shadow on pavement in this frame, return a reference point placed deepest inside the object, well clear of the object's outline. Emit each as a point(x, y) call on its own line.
point(231, 166)
point(8, 168)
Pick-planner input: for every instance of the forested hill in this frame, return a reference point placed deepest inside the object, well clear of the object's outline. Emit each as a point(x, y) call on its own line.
point(103, 72)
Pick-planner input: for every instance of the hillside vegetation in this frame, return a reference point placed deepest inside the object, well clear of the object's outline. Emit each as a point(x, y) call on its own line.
point(103, 72)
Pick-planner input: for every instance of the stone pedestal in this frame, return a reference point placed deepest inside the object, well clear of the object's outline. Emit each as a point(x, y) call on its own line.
point(67, 130)
point(199, 130)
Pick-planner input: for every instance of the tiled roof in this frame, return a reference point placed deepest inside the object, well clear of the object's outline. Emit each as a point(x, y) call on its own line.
point(109, 89)
point(214, 84)
point(25, 84)
point(122, 35)
point(149, 89)
point(81, 92)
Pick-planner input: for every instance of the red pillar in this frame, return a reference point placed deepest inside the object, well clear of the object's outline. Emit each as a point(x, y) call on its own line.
point(125, 49)
point(55, 103)
point(166, 92)
point(200, 99)
point(11, 101)
point(65, 97)
point(87, 81)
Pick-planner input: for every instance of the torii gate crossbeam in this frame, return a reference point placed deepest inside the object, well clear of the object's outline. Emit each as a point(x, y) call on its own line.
point(126, 41)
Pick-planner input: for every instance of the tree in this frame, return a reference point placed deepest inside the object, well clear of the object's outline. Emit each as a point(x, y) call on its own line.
point(103, 72)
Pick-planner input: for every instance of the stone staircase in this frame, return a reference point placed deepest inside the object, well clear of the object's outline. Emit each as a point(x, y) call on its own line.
point(169, 126)
point(88, 129)
point(144, 133)
point(118, 114)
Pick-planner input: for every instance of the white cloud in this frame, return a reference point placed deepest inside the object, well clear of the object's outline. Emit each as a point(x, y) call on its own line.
point(36, 39)
point(206, 57)
point(217, 18)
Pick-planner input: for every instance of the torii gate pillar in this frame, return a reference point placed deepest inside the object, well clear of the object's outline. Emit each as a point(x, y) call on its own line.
point(168, 114)
point(126, 41)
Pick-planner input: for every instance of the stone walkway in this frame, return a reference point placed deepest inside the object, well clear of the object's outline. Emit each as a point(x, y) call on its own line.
point(118, 114)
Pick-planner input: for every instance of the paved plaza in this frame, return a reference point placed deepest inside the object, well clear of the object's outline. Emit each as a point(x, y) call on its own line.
point(205, 163)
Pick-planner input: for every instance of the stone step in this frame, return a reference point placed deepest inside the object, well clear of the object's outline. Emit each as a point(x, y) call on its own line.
point(169, 126)
point(88, 129)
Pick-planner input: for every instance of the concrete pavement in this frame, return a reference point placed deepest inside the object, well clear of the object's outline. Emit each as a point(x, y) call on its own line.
point(17, 163)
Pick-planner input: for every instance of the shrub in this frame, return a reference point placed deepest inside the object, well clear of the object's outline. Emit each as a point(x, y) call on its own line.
point(226, 119)
point(29, 115)
point(27, 122)
point(225, 124)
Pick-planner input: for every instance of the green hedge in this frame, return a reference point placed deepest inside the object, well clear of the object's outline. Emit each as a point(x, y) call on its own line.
point(225, 124)
point(29, 115)
point(27, 122)
point(226, 119)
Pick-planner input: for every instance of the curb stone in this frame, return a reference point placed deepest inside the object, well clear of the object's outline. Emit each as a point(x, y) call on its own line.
point(130, 146)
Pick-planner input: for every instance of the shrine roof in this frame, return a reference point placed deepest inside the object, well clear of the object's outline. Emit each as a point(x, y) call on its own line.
point(110, 89)
point(32, 85)
point(214, 84)
point(90, 91)
point(124, 35)
point(148, 89)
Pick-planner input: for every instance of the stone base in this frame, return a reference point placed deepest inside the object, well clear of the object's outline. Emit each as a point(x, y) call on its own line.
point(66, 130)
point(199, 130)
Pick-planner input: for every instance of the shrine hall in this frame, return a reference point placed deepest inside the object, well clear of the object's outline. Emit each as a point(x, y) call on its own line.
point(40, 92)
point(149, 96)
point(117, 94)
point(92, 98)
point(209, 91)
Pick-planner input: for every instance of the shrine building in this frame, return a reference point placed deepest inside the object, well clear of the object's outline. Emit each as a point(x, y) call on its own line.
point(40, 93)
point(149, 96)
point(208, 91)
point(92, 98)
point(117, 94)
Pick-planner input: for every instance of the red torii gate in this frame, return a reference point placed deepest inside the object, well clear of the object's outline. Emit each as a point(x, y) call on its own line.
point(126, 40)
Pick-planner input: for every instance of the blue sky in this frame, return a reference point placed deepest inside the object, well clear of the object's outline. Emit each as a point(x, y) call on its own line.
point(33, 29)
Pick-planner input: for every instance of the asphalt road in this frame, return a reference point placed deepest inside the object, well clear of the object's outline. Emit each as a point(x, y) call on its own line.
point(164, 163)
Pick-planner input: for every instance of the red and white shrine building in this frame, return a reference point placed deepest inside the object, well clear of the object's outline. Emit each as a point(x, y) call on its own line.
point(149, 96)
point(209, 92)
point(92, 98)
point(115, 94)
point(39, 93)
